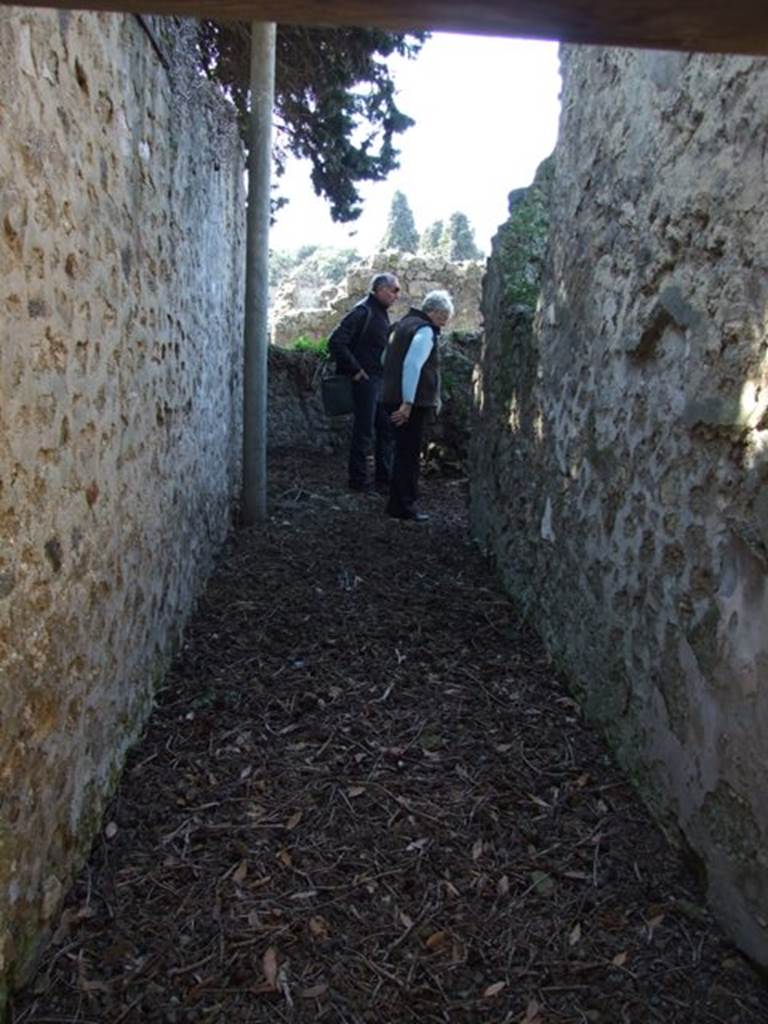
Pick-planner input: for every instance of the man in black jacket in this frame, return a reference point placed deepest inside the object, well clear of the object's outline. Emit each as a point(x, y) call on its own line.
point(358, 344)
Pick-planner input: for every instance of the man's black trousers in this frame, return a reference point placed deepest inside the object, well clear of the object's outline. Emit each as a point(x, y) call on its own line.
point(371, 430)
point(404, 486)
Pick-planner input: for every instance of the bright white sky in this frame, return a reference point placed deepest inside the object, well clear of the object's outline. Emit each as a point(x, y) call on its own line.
point(486, 114)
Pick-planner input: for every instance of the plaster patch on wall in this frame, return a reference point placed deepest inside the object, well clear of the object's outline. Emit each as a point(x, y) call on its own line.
point(547, 533)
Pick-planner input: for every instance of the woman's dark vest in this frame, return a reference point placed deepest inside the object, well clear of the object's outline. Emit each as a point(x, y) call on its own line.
point(427, 390)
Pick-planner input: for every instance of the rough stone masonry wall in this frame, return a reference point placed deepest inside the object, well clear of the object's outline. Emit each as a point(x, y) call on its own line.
point(120, 309)
point(417, 274)
point(295, 416)
point(621, 447)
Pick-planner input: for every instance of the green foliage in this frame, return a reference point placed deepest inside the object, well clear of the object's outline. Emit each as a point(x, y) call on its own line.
point(431, 237)
point(312, 264)
point(401, 233)
point(334, 100)
point(304, 344)
point(281, 263)
point(522, 241)
point(327, 264)
point(304, 252)
point(458, 239)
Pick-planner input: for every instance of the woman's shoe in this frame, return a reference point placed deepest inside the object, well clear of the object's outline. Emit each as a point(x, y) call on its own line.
point(411, 516)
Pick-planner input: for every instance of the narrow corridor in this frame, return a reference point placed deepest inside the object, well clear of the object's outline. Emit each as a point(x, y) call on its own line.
point(366, 795)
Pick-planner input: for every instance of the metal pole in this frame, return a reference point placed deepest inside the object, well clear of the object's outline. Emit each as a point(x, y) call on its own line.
point(257, 273)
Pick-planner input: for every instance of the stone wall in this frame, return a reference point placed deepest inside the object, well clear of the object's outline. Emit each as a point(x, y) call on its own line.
point(295, 416)
point(418, 275)
point(121, 243)
point(621, 445)
point(296, 419)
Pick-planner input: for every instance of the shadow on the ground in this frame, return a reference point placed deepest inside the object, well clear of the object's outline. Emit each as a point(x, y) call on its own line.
point(365, 796)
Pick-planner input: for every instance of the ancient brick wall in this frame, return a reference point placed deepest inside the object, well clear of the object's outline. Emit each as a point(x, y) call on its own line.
point(621, 446)
point(121, 243)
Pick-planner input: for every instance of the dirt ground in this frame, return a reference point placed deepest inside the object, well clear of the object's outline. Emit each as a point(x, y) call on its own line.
point(366, 796)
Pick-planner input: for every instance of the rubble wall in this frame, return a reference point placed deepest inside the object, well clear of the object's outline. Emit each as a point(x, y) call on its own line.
point(121, 254)
point(621, 443)
point(295, 415)
point(417, 275)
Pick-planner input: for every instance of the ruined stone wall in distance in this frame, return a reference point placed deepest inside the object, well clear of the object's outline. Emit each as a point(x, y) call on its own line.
point(121, 254)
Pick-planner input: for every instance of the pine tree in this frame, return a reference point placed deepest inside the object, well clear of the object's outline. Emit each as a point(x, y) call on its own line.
point(430, 239)
point(332, 86)
point(401, 233)
point(458, 240)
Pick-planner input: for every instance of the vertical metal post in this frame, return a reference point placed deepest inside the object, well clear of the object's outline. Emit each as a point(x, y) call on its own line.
point(257, 273)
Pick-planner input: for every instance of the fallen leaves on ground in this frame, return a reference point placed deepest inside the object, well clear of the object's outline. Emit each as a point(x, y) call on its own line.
point(365, 796)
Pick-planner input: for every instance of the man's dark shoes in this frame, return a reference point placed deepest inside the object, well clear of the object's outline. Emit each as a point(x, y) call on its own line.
point(412, 516)
point(362, 488)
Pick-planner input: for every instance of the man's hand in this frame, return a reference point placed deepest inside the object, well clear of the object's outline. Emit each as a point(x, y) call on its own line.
point(360, 375)
point(402, 414)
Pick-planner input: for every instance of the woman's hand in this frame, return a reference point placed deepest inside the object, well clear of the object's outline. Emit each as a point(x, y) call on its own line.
point(402, 414)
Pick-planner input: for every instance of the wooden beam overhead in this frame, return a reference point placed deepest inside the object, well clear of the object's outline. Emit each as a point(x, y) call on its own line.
point(740, 26)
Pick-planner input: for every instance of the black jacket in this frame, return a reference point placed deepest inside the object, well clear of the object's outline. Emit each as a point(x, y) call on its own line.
point(354, 351)
point(428, 387)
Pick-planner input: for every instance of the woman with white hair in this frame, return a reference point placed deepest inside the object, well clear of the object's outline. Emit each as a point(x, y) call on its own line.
point(411, 390)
